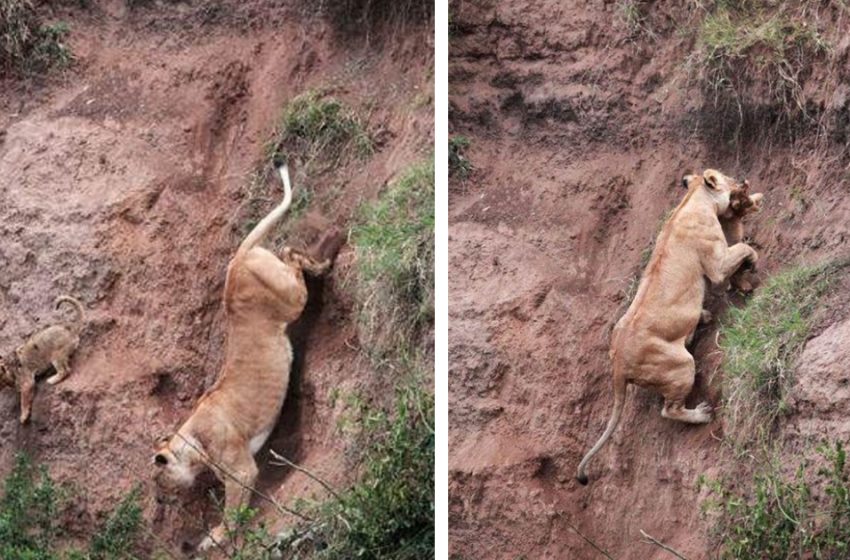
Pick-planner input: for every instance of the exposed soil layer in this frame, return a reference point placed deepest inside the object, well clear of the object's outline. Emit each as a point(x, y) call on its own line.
point(581, 130)
point(125, 182)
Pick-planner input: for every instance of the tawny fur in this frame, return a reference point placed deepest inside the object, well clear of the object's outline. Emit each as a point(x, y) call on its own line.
point(50, 347)
point(648, 342)
point(741, 205)
point(262, 295)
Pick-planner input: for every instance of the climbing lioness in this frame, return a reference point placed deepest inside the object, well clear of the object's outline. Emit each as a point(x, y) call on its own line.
point(648, 342)
point(262, 294)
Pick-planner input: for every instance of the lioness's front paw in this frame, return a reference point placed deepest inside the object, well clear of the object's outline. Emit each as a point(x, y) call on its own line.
point(753, 258)
point(214, 539)
point(703, 410)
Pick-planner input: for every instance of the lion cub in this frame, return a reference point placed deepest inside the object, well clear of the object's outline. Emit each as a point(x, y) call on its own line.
point(50, 347)
point(741, 205)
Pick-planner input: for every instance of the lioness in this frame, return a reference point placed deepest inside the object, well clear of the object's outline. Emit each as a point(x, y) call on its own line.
point(648, 342)
point(262, 294)
point(50, 347)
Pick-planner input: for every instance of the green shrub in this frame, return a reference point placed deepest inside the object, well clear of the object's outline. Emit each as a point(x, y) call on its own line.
point(27, 46)
point(317, 130)
point(760, 342)
point(31, 507)
point(394, 244)
point(28, 511)
point(459, 165)
point(389, 513)
point(781, 518)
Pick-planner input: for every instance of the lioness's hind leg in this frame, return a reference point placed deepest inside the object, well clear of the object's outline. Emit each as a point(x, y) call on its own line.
point(677, 411)
point(679, 385)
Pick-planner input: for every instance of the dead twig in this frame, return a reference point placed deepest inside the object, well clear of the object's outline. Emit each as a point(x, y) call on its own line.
point(284, 462)
point(602, 551)
point(659, 544)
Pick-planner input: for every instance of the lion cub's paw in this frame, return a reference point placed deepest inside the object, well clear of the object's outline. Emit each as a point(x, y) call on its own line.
point(54, 379)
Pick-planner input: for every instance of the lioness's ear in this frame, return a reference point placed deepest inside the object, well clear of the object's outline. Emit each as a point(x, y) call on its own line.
point(686, 180)
point(710, 176)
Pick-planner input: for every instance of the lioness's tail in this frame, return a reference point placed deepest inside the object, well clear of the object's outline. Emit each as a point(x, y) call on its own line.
point(262, 229)
point(619, 399)
point(78, 308)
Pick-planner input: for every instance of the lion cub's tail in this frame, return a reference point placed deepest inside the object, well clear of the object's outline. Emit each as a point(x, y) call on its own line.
point(78, 308)
point(262, 229)
point(619, 400)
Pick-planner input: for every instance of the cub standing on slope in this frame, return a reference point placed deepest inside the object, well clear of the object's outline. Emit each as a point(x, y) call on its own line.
point(262, 295)
point(50, 347)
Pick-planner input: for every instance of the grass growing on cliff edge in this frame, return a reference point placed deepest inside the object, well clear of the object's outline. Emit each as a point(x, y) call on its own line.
point(394, 244)
point(27, 46)
point(802, 516)
point(760, 342)
point(30, 511)
point(319, 130)
point(753, 60)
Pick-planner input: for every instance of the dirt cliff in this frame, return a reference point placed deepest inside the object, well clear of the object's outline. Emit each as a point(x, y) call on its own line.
point(581, 119)
point(125, 182)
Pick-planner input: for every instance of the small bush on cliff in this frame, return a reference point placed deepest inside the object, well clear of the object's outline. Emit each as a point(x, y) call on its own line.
point(319, 130)
point(389, 512)
point(760, 342)
point(30, 512)
point(27, 46)
point(459, 164)
point(781, 517)
point(394, 244)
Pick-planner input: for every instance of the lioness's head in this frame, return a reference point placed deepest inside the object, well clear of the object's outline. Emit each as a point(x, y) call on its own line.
point(717, 185)
point(177, 462)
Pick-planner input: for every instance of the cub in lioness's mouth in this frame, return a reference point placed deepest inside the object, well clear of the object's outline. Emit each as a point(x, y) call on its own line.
point(648, 344)
point(50, 347)
point(231, 422)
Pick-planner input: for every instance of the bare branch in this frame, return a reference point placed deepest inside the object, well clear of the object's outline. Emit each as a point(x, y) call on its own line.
point(286, 462)
point(601, 550)
point(656, 542)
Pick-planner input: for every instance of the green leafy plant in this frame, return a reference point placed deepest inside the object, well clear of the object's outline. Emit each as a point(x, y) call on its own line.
point(27, 46)
point(784, 517)
point(31, 508)
point(459, 165)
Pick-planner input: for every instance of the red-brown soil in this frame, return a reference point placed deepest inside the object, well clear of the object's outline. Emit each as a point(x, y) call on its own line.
point(125, 183)
point(580, 133)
